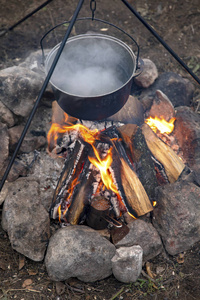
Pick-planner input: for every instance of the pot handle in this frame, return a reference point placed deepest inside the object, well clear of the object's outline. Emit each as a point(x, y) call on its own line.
point(138, 61)
point(140, 67)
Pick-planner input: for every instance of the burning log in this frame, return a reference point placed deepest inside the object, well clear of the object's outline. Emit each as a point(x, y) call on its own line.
point(81, 195)
point(129, 186)
point(67, 181)
point(164, 154)
point(125, 178)
point(96, 169)
point(78, 183)
point(139, 154)
point(59, 121)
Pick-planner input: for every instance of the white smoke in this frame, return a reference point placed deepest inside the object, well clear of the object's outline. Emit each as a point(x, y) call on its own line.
point(90, 81)
point(90, 68)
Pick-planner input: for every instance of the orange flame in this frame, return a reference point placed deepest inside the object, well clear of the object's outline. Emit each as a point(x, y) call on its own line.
point(88, 136)
point(161, 124)
point(132, 215)
point(59, 213)
point(103, 165)
point(70, 192)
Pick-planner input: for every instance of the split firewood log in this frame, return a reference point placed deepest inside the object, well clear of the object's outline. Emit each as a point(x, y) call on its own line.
point(172, 164)
point(69, 175)
point(129, 186)
point(138, 152)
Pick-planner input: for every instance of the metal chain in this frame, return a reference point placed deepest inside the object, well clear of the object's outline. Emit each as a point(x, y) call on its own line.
point(93, 6)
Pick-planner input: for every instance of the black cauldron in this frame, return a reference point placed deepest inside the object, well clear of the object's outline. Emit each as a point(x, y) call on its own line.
point(93, 77)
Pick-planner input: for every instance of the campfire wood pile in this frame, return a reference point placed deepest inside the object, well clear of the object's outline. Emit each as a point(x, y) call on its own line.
point(143, 168)
point(135, 152)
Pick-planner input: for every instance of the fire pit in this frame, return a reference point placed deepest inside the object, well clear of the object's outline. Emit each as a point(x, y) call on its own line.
point(144, 171)
point(112, 179)
point(104, 164)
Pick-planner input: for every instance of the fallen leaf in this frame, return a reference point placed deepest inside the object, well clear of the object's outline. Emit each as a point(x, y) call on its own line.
point(32, 272)
point(21, 261)
point(27, 283)
point(149, 271)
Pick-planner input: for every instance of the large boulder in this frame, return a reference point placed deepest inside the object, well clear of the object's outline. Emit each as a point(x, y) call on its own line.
point(25, 219)
point(19, 88)
point(79, 251)
point(177, 215)
point(4, 147)
point(179, 90)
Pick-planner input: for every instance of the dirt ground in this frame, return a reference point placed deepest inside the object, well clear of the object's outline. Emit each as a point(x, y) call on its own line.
point(178, 23)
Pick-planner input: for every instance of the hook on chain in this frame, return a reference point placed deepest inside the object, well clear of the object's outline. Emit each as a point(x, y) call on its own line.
point(93, 6)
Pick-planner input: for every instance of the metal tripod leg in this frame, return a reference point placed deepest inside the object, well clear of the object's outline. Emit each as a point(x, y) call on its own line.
point(26, 127)
point(161, 41)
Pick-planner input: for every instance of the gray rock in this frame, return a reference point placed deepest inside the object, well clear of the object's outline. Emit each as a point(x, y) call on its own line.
point(145, 235)
point(41, 122)
point(46, 171)
point(187, 133)
point(179, 90)
point(30, 142)
point(162, 107)
point(18, 169)
point(149, 74)
point(6, 116)
point(132, 112)
point(25, 219)
point(4, 147)
point(177, 215)
point(127, 263)
point(79, 251)
point(34, 62)
point(40, 167)
point(19, 88)
point(4, 192)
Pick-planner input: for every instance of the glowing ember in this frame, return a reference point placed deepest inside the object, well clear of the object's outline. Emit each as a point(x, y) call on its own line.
point(160, 124)
point(154, 203)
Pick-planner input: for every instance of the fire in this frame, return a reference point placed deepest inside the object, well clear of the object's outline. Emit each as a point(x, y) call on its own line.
point(89, 136)
point(58, 129)
point(59, 213)
point(161, 124)
point(103, 165)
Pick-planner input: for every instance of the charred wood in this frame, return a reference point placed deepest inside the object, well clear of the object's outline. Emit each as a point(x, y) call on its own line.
point(138, 151)
point(82, 194)
point(125, 178)
point(98, 210)
point(71, 170)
